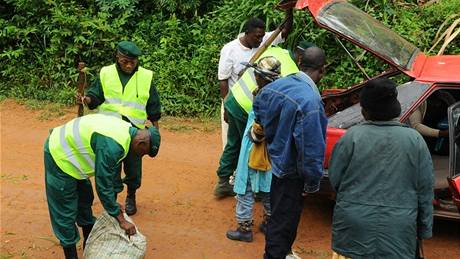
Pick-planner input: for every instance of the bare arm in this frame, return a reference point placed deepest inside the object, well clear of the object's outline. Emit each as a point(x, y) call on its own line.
point(223, 88)
point(288, 26)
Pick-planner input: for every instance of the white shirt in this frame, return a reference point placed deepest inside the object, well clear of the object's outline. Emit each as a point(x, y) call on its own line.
point(233, 53)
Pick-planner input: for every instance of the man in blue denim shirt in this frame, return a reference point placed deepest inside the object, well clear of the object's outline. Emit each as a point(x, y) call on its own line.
point(292, 115)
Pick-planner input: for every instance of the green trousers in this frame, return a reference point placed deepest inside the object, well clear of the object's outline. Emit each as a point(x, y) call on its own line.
point(132, 166)
point(237, 119)
point(69, 202)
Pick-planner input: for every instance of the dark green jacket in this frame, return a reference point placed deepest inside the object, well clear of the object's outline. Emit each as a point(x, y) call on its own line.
point(153, 107)
point(383, 175)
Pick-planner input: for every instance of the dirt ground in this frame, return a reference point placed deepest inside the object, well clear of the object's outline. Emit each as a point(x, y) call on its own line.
point(176, 209)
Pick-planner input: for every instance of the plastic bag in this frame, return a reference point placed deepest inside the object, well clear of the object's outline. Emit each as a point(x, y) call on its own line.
point(108, 240)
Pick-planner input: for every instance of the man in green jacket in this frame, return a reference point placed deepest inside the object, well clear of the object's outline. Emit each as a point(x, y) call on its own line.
point(92, 145)
point(383, 175)
point(126, 90)
point(237, 104)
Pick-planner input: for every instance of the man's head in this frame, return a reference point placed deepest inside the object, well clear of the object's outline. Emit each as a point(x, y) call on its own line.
point(313, 63)
point(379, 100)
point(254, 32)
point(127, 56)
point(146, 142)
point(299, 49)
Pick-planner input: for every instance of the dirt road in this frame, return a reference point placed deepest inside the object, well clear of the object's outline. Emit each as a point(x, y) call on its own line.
point(176, 209)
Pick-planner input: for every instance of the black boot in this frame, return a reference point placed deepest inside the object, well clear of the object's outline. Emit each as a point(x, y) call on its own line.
point(242, 233)
point(70, 252)
point(130, 203)
point(263, 225)
point(86, 230)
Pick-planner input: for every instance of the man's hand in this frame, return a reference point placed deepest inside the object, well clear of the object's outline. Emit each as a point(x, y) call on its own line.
point(82, 99)
point(128, 227)
point(444, 133)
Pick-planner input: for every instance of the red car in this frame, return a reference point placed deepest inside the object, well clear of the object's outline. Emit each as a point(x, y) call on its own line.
point(428, 75)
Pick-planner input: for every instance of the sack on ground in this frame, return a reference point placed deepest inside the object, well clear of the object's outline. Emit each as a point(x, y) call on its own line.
point(109, 240)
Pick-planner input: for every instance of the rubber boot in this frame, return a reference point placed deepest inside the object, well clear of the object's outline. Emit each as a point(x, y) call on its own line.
point(242, 233)
point(264, 224)
point(70, 252)
point(223, 188)
point(130, 203)
point(86, 231)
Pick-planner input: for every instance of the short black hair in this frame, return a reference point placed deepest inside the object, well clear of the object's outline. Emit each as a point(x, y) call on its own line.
point(253, 23)
point(313, 58)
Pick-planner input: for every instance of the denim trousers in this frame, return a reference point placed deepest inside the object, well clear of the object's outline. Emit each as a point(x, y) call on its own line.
point(245, 204)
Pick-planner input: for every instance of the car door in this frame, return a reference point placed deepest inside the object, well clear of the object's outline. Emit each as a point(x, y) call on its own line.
point(453, 116)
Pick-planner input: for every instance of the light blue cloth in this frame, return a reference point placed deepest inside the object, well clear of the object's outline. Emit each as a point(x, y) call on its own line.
point(260, 180)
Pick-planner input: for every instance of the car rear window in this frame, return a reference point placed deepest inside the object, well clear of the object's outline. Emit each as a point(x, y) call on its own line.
point(408, 93)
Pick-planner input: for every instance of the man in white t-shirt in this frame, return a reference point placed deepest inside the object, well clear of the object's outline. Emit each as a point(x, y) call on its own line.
point(232, 54)
point(240, 50)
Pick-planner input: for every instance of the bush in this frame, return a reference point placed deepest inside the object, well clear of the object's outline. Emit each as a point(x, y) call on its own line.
point(42, 42)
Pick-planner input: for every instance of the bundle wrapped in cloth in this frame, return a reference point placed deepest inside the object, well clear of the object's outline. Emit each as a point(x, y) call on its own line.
point(109, 240)
point(258, 158)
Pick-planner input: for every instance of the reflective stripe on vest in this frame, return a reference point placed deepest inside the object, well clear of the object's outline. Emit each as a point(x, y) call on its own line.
point(132, 100)
point(70, 144)
point(243, 88)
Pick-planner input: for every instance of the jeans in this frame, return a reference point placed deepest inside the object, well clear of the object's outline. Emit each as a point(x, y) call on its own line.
point(245, 204)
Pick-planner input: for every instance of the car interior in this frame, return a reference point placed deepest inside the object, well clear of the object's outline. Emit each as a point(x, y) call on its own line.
point(435, 117)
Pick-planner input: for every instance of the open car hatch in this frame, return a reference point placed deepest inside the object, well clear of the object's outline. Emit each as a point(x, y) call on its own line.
point(358, 27)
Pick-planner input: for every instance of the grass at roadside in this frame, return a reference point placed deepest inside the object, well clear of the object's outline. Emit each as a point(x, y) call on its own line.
point(49, 110)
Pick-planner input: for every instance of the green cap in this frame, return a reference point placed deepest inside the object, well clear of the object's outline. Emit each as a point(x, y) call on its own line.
point(305, 45)
point(155, 141)
point(129, 49)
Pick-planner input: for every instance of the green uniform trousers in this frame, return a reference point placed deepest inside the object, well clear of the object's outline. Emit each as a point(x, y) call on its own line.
point(69, 202)
point(132, 166)
point(237, 119)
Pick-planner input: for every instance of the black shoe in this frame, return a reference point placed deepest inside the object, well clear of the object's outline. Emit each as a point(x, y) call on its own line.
point(242, 233)
point(70, 252)
point(130, 204)
point(223, 188)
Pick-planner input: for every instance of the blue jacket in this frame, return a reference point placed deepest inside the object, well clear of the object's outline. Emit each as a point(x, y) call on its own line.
point(292, 114)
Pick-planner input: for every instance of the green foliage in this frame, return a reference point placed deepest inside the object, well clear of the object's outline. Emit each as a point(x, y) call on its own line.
point(41, 43)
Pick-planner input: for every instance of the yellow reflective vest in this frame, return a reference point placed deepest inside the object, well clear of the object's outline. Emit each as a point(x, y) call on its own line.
point(130, 102)
point(70, 144)
point(243, 88)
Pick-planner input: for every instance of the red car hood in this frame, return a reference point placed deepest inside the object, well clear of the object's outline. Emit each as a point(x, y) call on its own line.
point(442, 69)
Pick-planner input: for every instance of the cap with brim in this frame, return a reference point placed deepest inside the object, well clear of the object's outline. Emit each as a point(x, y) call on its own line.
point(155, 141)
point(267, 66)
point(129, 49)
point(379, 98)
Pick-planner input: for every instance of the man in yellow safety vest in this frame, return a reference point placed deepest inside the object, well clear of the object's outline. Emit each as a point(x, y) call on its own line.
point(126, 90)
point(92, 145)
